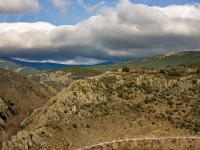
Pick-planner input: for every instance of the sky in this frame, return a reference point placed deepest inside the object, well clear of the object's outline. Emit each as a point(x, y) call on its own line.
point(94, 31)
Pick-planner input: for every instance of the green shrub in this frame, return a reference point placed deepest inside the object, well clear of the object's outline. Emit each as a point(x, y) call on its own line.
point(196, 129)
point(54, 101)
point(170, 103)
point(146, 88)
point(139, 105)
point(74, 126)
point(174, 73)
point(162, 71)
point(146, 101)
point(198, 71)
point(120, 95)
point(169, 118)
point(56, 128)
point(42, 132)
point(87, 126)
point(125, 69)
point(194, 81)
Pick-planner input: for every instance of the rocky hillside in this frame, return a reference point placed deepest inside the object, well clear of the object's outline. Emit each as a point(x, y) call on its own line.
point(19, 96)
point(61, 78)
point(112, 106)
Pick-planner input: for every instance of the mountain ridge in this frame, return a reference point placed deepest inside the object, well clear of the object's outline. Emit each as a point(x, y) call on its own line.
point(159, 61)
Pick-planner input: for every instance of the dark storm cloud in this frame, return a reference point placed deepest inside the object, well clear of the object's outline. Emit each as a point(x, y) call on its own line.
point(121, 33)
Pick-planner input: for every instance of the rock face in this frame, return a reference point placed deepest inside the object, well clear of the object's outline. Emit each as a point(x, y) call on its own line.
point(6, 113)
point(115, 105)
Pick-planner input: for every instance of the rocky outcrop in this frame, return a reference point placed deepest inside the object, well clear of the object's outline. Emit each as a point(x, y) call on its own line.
point(115, 105)
point(6, 112)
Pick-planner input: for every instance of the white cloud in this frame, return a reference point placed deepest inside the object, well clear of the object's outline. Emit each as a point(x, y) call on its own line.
point(183, 11)
point(91, 8)
point(62, 5)
point(75, 61)
point(121, 33)
point(18, 6)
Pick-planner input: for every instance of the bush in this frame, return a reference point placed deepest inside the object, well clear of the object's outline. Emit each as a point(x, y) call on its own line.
point(87, 126)
point(169, 118)
point(170, 102)
point(194, 81)
point(139, 105)
point(42, 132)
point(146, 101)
point(74, 126)
point(125, 69)
point(162, 71)
point(196, 129)
point(198, 71)
point(174, 73)
point(146, 88)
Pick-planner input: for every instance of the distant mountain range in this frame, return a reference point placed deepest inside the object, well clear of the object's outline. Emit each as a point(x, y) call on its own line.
point(27, 68)
point(46, 65)
point(36, 65)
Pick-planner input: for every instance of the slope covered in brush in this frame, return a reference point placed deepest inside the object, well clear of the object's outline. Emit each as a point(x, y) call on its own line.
point(58, 79)
point(19, 96)
point(160, 61)
point(114, 105)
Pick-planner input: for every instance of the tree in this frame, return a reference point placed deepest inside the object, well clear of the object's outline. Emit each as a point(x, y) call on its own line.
point(125, 69)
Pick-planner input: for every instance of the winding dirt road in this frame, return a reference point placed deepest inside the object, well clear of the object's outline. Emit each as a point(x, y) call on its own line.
point(138, 139)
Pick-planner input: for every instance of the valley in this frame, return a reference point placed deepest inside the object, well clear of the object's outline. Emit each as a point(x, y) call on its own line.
point(114, 105)
point(79, 108)
point(99, 75)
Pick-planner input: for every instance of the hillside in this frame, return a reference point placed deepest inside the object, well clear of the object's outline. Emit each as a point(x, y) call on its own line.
point(23, 70)
point(19, 96)
point(160, 61)
point(60, 78)
point(116, 105)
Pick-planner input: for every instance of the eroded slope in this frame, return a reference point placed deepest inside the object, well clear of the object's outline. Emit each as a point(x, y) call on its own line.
point(19, 96)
